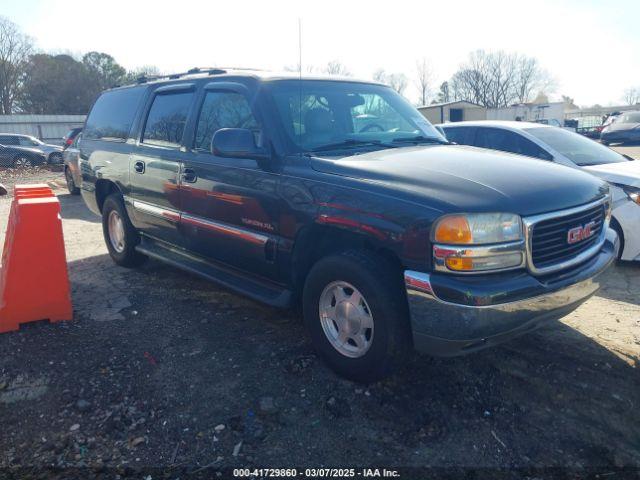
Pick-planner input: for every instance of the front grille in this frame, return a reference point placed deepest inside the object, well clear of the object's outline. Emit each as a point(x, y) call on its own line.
point(549, 238)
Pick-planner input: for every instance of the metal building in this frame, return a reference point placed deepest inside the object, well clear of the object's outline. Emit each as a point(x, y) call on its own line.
point(48, 128)
point(453, 112)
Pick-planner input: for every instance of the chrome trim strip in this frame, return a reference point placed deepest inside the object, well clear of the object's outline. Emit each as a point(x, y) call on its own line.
point(442, 251)
point(530, 222)
point(224, 228)
point(156, 211)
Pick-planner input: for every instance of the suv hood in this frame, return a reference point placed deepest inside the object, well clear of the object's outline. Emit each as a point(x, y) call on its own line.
point(462, 178)
point(624, 173)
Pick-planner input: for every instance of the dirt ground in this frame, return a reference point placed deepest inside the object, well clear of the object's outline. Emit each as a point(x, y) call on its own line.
point(164, 375)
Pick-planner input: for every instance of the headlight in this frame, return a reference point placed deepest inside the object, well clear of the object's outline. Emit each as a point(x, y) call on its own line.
point(478, 229)
point(633, 193)
point(478, 242)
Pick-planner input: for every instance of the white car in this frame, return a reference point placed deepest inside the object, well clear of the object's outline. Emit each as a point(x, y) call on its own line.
point(573, 150)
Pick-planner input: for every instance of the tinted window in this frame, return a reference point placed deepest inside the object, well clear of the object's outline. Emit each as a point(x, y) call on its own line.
point(507, 141)
point(222, 110)
point(167, 118)
point(112, 114)
point(580, 150)
point(459, 135)
point(9, 140)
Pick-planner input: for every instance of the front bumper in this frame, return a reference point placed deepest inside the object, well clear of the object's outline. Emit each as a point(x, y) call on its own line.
point(453, 315)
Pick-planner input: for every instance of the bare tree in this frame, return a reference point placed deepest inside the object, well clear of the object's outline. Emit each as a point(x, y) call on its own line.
point(397, 81)
point(335, 67)
point(424, 80)
point(15, 48)
point(631, 96)
point(498, 79)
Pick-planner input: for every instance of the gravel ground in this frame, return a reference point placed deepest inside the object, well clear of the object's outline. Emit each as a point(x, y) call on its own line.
point(163, 374)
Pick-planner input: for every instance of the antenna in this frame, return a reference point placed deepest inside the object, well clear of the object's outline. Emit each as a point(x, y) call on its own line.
point(300, 76)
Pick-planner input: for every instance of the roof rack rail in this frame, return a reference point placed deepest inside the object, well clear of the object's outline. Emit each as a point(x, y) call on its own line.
point(173, 76)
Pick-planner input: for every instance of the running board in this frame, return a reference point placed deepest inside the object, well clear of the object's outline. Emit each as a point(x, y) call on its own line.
point(262, 291)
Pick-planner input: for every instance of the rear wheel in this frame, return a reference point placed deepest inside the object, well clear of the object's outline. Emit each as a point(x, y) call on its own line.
point(21, 161)
point(71, 184)
point(120, 235)
point(356, 315)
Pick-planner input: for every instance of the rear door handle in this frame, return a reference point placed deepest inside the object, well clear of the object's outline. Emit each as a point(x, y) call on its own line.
point(189, 175)
point(139, 167)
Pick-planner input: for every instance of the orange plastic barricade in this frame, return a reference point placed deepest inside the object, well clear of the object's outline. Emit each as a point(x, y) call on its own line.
point(34, 283)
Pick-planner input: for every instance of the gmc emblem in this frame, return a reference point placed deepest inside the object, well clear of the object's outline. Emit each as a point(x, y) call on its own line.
point(580, 233)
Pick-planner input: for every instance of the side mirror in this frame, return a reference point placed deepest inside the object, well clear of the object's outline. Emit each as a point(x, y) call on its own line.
point(3, 190)
point(237, 143)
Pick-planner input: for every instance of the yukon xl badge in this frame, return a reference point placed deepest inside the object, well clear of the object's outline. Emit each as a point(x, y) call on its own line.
point(580, 233)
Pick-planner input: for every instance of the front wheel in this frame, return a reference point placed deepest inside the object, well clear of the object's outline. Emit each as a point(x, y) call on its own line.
point(356, 315)
point(120, 235)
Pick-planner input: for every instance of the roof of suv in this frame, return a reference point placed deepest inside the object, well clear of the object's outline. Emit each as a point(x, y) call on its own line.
point(262, 75)
point(506, 124)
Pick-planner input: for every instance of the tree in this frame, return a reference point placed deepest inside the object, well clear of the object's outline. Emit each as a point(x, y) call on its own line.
point(424, 80)
point(15, 48)
point(105, 68)
point(397, 81)
point(335, 67)
point(631, 96)
point(58, 84)
point(443, 94)
point(498, 79)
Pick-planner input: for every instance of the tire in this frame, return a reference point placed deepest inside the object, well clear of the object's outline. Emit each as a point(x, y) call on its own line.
point(22, 161)
point(387, 344)
point(121, 240)
point(55, 158)
point(71, 184)
point(616, 226)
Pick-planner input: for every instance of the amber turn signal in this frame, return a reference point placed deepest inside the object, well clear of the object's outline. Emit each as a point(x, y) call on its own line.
point(453, 230)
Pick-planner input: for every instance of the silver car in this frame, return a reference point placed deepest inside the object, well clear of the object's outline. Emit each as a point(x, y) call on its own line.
point(53, 153)
point(71, 166)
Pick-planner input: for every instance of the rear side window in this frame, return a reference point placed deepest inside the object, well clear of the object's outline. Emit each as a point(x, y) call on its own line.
point(223, 110)
point(459, 135)
point(112, 115)
point(167, 118)
point(507, 141)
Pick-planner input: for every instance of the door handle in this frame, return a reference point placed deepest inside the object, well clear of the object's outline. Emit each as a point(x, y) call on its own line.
point(189, 175)
point(139, 167)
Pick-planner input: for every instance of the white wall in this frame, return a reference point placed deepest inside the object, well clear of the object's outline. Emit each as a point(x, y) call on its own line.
point(529, 112)
point(48, 128)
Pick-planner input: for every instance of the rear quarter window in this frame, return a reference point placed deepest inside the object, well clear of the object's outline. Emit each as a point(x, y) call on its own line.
point(112, 115)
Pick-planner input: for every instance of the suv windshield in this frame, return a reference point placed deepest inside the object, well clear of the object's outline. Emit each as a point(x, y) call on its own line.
point(320, 116)
point(580, 150)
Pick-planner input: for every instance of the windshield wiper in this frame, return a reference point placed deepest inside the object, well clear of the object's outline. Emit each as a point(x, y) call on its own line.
point(420, 139)
point(350, 143)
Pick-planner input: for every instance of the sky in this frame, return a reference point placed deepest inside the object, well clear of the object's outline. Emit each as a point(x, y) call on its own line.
point(591, 48)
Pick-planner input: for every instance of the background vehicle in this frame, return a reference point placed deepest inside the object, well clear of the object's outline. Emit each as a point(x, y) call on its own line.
point(68, 139)
point(53, 153)
point(71, 167)
point(625, 128)
point(14, 156)
point(389, 237)
point(573, 150)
